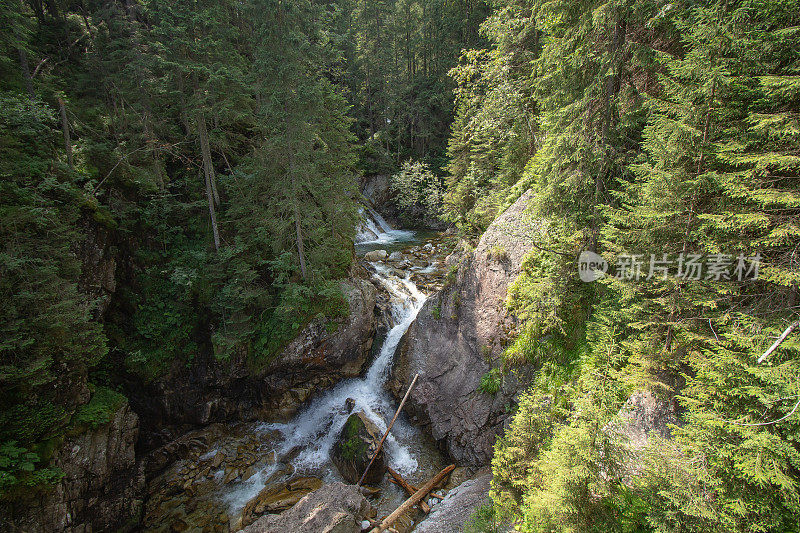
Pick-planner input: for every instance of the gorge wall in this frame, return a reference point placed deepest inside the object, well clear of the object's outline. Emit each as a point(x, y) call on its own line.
point(456, 335)
point(102, 488)
point(210, 390)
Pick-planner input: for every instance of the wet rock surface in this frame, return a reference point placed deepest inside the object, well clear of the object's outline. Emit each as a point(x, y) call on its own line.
point(189, 493)
point(276, 499)
point(455, 337)
point(455, 510)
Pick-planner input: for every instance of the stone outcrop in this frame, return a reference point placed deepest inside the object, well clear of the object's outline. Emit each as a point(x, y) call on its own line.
point(377, 188)
point(273, 500)
point(102, 488)
point(335, 508)
point(645, 414)
point(457, 333)
point(375, 255)
point(450, 515)
point(355, 446)
point(98, 265)
point(221, 391)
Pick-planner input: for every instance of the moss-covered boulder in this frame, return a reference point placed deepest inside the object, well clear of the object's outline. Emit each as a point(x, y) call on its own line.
point(354, 448)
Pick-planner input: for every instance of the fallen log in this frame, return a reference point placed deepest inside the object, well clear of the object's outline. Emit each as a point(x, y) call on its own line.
point(413, 500)
point(780, 340)
point(388, 428)
point(413, 488)
point(410, 490)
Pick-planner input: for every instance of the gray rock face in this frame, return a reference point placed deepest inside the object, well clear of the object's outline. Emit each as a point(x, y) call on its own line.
point(644, 414)
point(317, 359)
point(456, 333)
point(377, 189)
point(450, 515)
point(334, 508)
point(102, 488)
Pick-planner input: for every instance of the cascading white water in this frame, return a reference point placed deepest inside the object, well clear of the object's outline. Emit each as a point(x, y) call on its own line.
point(375, 230)
point(380, 220)
point(316, 427)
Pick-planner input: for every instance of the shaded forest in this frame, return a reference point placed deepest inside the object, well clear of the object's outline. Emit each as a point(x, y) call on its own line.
point(180, 180)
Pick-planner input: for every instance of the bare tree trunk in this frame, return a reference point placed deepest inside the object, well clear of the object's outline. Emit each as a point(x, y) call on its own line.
point(208, 171)
point(26, 72)
point(296, 211)
point(65, 126)
point(295, 194)
point(300, 250)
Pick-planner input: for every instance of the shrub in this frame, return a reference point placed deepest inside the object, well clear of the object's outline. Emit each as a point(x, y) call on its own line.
point(497, 253)
point(483, 520)
point(491, 381)
point(417, 189)
point(100, 409)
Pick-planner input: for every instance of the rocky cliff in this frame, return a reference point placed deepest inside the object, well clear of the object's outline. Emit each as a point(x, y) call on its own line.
point(455, 336)
point(102, 488)
point(221, 391)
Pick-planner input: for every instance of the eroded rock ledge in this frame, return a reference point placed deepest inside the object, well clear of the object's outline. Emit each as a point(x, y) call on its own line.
point(334, 508)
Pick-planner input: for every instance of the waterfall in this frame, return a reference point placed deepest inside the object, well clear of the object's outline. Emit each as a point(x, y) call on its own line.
point(315, 428)
point(373, 229)
point(379, 219)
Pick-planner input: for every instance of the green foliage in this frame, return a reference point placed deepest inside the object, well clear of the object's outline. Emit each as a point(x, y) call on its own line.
point(18, 470)
point(418, 192)
point(396, 57)
point(353, 446)
point(680, 140)
point(483, 520)
point(491, 381)
point(497, 253)
point(101, 408)
point(153, 92)
point(494, 131)
point(450, 276)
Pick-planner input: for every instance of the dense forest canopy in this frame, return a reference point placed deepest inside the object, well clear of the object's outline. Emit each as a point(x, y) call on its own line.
point(210, 153)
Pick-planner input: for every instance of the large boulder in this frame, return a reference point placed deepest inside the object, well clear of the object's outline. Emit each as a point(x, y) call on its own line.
point(376, 255)
point(450, 515)
point(456, 335)
point(335, 508)
point(355, 446)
